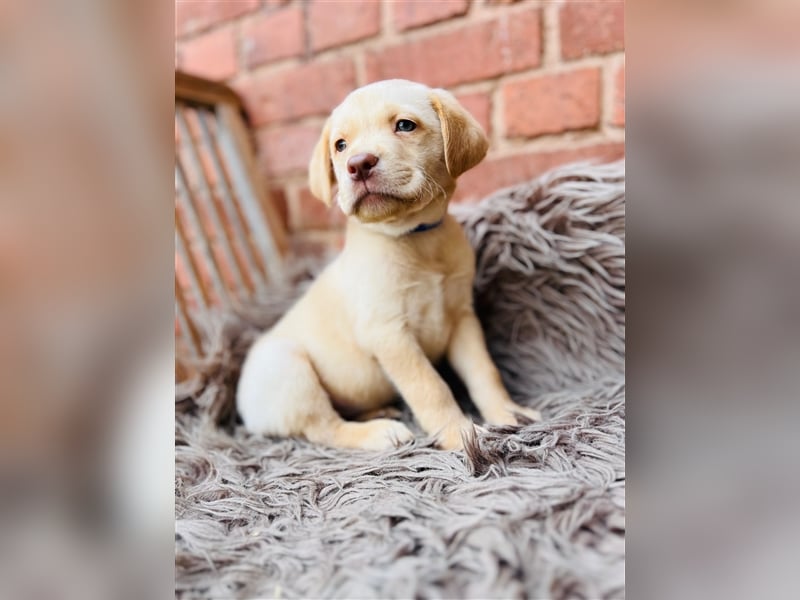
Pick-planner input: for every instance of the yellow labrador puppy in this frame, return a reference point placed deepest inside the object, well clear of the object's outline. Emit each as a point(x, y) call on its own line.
point(399, 296)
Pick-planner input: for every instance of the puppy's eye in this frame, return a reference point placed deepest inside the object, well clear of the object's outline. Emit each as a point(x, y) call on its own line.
point(340, 145)
point(405, 125)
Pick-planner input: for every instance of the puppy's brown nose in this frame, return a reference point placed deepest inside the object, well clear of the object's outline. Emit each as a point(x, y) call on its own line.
point(360, 166)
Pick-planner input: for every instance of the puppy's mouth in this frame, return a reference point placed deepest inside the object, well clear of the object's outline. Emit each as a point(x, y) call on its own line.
point(374, 206)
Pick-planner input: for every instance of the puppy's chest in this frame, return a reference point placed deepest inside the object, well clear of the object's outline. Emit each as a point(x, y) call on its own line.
point(431, 303)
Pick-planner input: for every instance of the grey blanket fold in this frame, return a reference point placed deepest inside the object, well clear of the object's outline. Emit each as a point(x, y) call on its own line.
point(525, 512)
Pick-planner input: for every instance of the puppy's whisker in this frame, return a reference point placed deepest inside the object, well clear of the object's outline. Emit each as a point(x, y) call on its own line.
point(441, 189)
point(424, 189)
point(435, 188)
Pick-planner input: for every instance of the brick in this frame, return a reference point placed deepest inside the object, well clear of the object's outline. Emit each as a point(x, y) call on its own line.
point(337, 23)
point(310, 213)
point(592, 28)
point(286, 150)
point(552, 103)
point(492, 175)
point(273, 36)
point(618, 109)
point(408, 14)
point(211, 55)
point(312, 89)
point(479, 105)
point(192, 16)
point(470, 53)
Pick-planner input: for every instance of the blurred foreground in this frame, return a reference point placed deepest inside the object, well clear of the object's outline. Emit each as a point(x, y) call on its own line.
point(713, 270)
point(86, 459)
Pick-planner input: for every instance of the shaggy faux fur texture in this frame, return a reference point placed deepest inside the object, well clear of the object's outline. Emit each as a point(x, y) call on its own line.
point(526, 512)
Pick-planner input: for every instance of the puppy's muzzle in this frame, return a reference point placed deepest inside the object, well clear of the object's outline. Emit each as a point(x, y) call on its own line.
point(360, 166)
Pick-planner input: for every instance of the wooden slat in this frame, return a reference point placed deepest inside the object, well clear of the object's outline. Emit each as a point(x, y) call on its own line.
point(188, 329)
point(270, 238)
point(198, 290)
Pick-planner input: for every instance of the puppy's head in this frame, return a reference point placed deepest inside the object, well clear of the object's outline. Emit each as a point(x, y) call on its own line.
point(395, 149)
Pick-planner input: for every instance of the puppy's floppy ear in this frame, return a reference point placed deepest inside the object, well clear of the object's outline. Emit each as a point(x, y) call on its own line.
point(321, 177)
point(465, 143)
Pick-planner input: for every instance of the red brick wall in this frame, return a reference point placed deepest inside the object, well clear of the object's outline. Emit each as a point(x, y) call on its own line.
point(545, 79)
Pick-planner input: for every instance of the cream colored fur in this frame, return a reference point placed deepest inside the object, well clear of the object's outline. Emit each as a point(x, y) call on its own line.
point(393, 302)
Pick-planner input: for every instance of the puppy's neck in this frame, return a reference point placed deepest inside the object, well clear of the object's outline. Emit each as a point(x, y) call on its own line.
point(423, 227)
point(364, 243)
point(429, 218)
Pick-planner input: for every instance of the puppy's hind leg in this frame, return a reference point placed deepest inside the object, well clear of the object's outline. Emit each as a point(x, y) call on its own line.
point(280, 394)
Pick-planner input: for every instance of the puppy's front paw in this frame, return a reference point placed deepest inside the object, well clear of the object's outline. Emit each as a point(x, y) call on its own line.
point(452, 436)
point(508, 415)
point(385, 434)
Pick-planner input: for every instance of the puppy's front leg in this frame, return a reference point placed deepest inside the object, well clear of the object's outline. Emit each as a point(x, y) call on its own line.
point(469, 357)
point(422, 388)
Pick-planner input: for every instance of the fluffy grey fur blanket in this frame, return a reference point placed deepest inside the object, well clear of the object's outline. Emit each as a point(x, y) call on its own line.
point(525, 512)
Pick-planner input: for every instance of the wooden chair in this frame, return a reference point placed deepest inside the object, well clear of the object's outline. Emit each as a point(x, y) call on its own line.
point(229, 238)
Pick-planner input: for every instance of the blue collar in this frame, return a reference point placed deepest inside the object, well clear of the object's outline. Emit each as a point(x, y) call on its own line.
point(426, 226)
